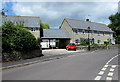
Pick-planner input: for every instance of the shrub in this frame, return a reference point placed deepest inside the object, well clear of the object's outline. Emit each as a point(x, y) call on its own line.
point(94, 44)
point(17, 38)
point(15, 41)
point(106, 42)
point(84, 41)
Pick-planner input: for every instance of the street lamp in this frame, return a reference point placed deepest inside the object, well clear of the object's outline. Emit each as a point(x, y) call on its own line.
point(88, 39)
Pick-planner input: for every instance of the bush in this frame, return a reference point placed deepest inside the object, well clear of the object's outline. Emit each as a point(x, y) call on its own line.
point(15, 41)
point(17, 38)
point(94, 44)
point(106, 42)
point(84, 41)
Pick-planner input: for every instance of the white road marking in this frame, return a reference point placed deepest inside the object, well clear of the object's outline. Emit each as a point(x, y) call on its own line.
point(98, 78)
point(105, 65)
point(110, 74)
point(103, 69)
point(109, 78)
point(101, 73)
point(113, 66)
point(112, 59)
point(112, 70)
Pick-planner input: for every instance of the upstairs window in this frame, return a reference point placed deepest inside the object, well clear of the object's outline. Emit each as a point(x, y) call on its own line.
point(75, 31)
point(103, 33)
point(98, 33)
point(95, 31)
point(33, 29)
point(83, 31)
point(80, 30)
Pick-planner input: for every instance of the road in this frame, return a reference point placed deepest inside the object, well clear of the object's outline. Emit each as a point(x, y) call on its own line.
point(95, 65)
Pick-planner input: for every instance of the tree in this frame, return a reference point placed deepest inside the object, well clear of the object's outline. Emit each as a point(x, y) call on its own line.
point(115, 26)
point(44, 26)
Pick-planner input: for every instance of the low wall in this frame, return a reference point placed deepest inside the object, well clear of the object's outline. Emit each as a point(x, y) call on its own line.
point(6, 57)
point(98, 47)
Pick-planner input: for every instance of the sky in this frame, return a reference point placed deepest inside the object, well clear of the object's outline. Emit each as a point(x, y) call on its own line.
point(53, 13)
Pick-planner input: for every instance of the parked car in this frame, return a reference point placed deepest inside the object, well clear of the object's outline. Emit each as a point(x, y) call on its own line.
point(71, 46)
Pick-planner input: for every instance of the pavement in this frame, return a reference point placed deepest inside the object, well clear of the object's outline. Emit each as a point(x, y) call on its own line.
point(95, 65)
point(49, 54)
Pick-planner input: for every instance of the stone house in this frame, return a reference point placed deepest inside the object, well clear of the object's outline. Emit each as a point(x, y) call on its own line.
point(77, 29)
point(30, 22)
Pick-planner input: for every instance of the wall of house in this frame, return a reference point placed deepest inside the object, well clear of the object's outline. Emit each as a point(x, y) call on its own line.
point(67, 27)
point(96, 37)
point(36, 33)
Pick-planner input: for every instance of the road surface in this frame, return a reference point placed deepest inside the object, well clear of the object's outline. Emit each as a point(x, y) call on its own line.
point(95, 65)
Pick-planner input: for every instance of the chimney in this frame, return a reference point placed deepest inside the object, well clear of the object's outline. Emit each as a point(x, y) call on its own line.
point(87, 20)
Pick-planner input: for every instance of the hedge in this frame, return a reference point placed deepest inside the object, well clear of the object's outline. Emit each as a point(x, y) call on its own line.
point(16, 40)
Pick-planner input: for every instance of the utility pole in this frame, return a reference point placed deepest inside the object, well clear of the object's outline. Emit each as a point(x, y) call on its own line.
point(88, 39)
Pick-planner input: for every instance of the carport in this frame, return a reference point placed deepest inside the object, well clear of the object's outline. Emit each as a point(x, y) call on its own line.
point(53, 38)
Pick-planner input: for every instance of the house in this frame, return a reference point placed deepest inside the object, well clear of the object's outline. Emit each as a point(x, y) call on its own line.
point(119, 7)
point(72, 30)
point(51, 37)
point(30, 22)
point(97, 32)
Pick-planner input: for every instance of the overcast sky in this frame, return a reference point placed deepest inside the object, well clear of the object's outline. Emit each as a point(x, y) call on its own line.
point(53, 13)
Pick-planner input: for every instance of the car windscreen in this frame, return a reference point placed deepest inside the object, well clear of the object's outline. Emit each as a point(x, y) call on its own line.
point(71, 44)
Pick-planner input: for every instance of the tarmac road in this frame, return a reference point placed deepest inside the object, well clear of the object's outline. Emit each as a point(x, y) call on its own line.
point(95, 65)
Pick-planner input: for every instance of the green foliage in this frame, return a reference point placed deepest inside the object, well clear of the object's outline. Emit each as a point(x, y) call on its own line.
point(17, 41)
point(84, 41)
point(20, 23)
point(15, 38)
point(118, 39)
point(44, 26)
point(94, 44)
point(106, 42)
point(115, 26)
point(57, 40)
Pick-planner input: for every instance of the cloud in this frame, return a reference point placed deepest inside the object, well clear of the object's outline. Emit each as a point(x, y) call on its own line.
point(61, 0)
point(53, 13)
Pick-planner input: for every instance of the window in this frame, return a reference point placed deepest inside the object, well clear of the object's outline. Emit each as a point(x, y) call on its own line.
point(86, 31)
point(83, 31)
point(79, 30)
point(95, 32)
point(92, 41)
point(92, 32)
point(98, 33)
point(98, 41)
point(77, 41)
point(75, 31)
point(33, 29)
point(103, 33)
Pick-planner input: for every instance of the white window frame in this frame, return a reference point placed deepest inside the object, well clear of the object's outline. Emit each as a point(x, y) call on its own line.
point(33, 29)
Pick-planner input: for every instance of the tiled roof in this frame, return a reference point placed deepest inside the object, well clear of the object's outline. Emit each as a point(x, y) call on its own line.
point(54, 33)
point(29, 21)
point(85, 24)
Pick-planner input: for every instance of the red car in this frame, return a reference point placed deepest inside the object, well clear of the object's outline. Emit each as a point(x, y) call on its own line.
point(71, 46)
